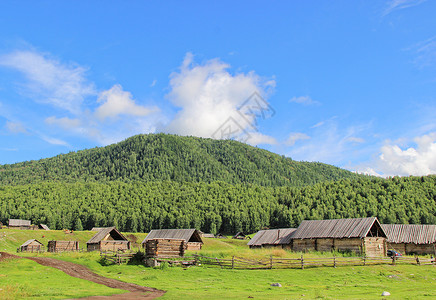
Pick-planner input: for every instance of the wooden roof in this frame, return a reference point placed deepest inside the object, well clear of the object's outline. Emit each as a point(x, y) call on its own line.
point(43, 226)
point(410, 233)
point(188, 235)
point(98, 228)
point(271, 237)
point(99, 236)
point(28, 242)
point(18, 222)
point(337, 228)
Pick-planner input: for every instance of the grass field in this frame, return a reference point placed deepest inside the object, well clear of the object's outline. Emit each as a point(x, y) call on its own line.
point(200, 282)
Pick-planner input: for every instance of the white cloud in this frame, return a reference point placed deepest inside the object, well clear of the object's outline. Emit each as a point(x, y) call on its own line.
point(319, 124)
point(50, 81)
point(54, 141)
point(64, 122)
point(209, 97)
point(257, 138)
point(305, 100)
point(118, 102)
point(400, 4)
point(15, 127)
point(354, 139)
point(296, 136)
point(418, 160)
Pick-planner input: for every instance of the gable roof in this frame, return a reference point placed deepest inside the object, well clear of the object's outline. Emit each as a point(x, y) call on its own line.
point(26, 243)
point(181, 234)
point(336, 228)
point(271, 237)
point(18, 222)
point(43, 226)
point(97, 228)
point(410, 233)
point(99, 236)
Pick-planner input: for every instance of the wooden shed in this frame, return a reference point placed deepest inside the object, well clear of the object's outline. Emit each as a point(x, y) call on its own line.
point(220, 236)
point(108, 238)
point(31, 246)
point(358, 235)
point(164, 248)
point(191, 237)
point(411, 238)
point(239, 236)
point(271, 238)
point(62, 246)
point(19, 224)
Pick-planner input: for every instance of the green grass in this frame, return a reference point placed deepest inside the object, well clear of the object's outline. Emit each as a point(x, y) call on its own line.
point(23, 278)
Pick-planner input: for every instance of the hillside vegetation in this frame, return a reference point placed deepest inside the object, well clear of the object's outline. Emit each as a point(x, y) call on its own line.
point(163, 157)
point(219, 206)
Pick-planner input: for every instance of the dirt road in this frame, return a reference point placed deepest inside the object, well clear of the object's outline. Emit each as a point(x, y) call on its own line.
point(82, 272)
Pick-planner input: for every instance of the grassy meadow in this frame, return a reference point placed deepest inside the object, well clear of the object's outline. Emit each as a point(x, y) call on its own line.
point(199, 282)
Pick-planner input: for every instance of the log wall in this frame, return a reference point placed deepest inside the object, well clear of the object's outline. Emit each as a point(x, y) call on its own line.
point(375, 246)
point(61, 246)
point(303, 245)
point(165, 248)
point(194, 246)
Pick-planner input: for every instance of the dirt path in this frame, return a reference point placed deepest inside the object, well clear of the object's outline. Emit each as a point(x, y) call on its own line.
point(82, 272)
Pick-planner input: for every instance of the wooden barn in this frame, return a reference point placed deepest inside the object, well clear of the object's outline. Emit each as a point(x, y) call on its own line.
point(164, 248)
point(271, 238)
point(19, 224)
point(191, 237)
point(359, 235)
point(31, 246)
point(62, 246)
point(108, 238)
point(411, 239)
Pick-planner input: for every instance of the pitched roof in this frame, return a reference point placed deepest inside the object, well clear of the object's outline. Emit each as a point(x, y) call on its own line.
point(26, 243)
point(271, 237)
point(104, 232)
point(336, 228)
point(18, 222)
point(43, 226)
point(410, 233)
point(181, 234)
point(97, 228)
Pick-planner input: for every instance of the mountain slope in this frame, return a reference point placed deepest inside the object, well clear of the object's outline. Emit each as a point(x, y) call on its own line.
point(156, 157)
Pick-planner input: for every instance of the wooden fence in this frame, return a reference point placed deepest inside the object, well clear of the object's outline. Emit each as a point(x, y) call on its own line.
point(117, 257)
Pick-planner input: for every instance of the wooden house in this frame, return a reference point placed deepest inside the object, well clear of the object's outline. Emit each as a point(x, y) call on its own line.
point(108, 239)
point(164, 248)
point(19, 224)
point(31, 246)
point(271, 238)
point(411, 239)
point(191, 237)
point(239, 236)
point(359, 235)
point(62, 246)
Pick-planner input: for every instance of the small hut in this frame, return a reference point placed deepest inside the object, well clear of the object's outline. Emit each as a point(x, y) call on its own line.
point(31, 246)
point(108, 239)
point(19, 224)
point(191, 237)
point(220, 236)
point(271, 238)
point(62, 246)
point(358, 235)
point(43, 227)
point(240, 236)
point(411, 238)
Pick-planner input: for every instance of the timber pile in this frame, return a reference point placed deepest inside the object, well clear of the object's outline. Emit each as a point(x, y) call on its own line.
point(165, 248)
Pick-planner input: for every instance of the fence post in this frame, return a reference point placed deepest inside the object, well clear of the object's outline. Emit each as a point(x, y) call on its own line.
point(302, 262)
point(417, 260)
point(393, 260)
point(334, 261)
point(271, 262)
point(364, 260)
point(233, 261)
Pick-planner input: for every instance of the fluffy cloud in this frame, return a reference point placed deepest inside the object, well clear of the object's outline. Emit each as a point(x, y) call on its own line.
point(117, 102)
point(305, 100)
point(15, 127)
point(49, 81)
point(296, 136)
point(418, 160)
point(211, 100)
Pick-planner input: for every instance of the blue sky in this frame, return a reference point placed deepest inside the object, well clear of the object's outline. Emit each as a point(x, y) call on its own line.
point(349, 83)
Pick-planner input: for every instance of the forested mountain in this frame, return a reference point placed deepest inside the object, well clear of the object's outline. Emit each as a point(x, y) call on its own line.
point(163, 157)
point(218, 206)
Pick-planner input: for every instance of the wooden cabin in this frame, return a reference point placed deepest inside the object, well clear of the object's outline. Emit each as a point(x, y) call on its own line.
point(271, 238)
point(62, 246)
point(191, 237)
point(19, 224)
point(363, 236)
point(239, 236)
point(31, 246)
point(411, 239)
point(108, 239)
point(164, 248)
point(220, 236)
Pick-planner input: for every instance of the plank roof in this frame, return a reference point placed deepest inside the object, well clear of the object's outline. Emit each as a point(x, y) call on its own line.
point(28, 242)
point(410, 233)
point(19, 222)
point(271, 237)
point(100, 235)
point(181, 234)
point(43, 226)
point(336, 228)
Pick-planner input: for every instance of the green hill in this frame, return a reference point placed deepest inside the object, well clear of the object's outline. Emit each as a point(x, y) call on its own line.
point(162, 157)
